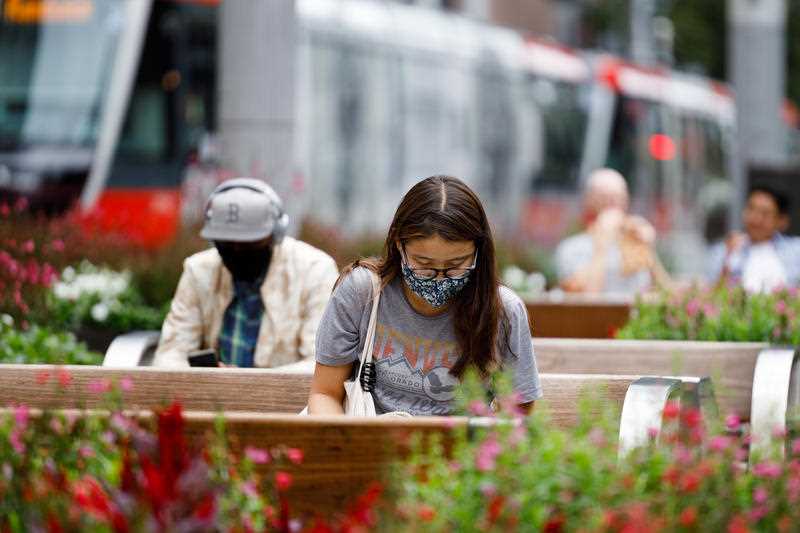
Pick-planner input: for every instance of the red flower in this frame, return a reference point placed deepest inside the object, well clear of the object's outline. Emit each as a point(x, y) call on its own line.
point(64, 377)
point(283, 480)
point(672, 410)
point(671, 475)
point(295, 455)
point(692, 417)
point(555, 524)
point(174, 456)
point(205, 509)
point(690, 482)
point(688, 516)
point(496, 508)
point(738, 524)
point(42, 377)
point(426, 513)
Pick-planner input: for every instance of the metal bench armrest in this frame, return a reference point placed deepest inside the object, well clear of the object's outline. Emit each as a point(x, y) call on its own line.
point(643, 409)
point(776, 393)
point(132, 349)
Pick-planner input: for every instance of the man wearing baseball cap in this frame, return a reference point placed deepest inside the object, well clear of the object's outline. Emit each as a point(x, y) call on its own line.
point(257, 296)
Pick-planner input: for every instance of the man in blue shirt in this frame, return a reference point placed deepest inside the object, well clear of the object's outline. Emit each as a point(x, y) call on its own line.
point(761, 258)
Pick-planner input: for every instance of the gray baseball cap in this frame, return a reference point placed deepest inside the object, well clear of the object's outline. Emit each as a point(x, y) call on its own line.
point(243, 210)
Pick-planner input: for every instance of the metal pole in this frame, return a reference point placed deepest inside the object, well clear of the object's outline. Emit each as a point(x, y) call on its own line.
point(256, 89)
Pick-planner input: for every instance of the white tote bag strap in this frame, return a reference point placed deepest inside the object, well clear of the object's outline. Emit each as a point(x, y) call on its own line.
point(366, 355)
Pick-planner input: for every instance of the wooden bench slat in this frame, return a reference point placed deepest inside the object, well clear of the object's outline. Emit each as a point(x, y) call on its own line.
point(729, 364)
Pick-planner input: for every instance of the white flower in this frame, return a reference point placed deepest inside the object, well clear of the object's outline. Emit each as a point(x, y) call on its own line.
point(100, 312)
point(68, 274)
point(8, 320)
point(513, 276)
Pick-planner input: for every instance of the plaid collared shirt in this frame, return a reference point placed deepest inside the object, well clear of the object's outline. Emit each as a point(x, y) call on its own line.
point(241, 324)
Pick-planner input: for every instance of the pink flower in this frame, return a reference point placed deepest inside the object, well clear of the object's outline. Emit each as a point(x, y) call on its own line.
point(126, 384)
point(779, 433)
point(759, 512)
point(478, 408)
point(257, 455)
point(796, 446)
point(760, 495)
point(767, 469)
point(710, 310)
point(598, 437)
point(780, 307)
point(692, 307)
point(16, 442)
point(793, 489)
point(652, 433)
point(28, 246)
point(487, 455)
point(99, 386)
point(719, 443)
point(283, 480)
point(86, 452)
point(249, 488)
point(488, 489)
point(57, 245)
point(21, 415)
point(732, 422)
point(295, 455)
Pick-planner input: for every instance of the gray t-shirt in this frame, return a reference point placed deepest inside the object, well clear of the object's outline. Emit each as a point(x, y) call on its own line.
point(413, 354)
point(575, 253)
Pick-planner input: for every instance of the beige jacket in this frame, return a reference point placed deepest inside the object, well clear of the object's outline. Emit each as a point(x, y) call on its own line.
point(295, 292)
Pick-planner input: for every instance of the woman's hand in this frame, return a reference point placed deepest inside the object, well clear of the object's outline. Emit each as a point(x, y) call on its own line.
point(327, 389)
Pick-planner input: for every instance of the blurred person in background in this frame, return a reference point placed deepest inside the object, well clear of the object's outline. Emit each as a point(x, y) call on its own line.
point(616, 253)
point(761, 258)
point(257, 296)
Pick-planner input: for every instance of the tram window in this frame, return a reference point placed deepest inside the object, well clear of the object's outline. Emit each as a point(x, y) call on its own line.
point(635, 122)
point(172, 103)
point(564, 111)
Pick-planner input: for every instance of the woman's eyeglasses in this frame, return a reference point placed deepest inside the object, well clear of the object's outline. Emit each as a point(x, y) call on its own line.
point(428, 273)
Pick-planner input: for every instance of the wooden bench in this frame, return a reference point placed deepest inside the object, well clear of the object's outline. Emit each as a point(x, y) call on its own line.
point(759, 383)
point(342, 454)
point(577, 316)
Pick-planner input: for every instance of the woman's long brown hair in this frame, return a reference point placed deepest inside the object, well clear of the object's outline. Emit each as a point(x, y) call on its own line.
point(445, 206)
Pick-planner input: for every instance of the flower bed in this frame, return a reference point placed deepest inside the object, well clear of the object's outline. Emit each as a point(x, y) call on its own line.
point(527, 476)
point(62, 472)
point(70, 471)
point(722, 314)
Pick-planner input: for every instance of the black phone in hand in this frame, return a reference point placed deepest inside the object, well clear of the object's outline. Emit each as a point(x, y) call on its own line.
point(206, 358)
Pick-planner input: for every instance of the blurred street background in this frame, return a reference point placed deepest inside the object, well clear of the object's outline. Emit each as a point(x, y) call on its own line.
point(118, 117)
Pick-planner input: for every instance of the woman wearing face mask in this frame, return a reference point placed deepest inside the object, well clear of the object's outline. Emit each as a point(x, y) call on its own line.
point(441, 311)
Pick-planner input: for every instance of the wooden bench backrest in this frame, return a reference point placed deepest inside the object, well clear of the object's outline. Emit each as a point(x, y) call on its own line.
point(575, 317)
point(729, 364)
point(252, 390)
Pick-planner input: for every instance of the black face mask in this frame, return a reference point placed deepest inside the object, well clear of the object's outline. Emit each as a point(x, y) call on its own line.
point(245, 264)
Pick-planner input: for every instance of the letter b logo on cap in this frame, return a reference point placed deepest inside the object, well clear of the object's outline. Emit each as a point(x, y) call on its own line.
point(233, 214)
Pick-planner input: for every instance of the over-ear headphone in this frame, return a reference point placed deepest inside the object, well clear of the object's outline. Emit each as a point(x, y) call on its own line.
point(281, 220)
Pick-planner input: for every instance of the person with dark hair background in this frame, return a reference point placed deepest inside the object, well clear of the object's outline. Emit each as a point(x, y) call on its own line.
point(761, 258)
point(441, 311)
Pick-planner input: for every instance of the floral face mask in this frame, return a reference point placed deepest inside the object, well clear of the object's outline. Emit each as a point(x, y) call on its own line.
point(437, 292)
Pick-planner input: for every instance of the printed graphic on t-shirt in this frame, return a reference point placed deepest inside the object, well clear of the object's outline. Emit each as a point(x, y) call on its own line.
point(414, 372)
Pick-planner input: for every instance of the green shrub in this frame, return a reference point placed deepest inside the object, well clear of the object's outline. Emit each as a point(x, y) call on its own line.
point(42, 345)
point(720, 314)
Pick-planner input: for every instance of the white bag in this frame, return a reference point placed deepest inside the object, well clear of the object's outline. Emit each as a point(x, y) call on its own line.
point(358, 402)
